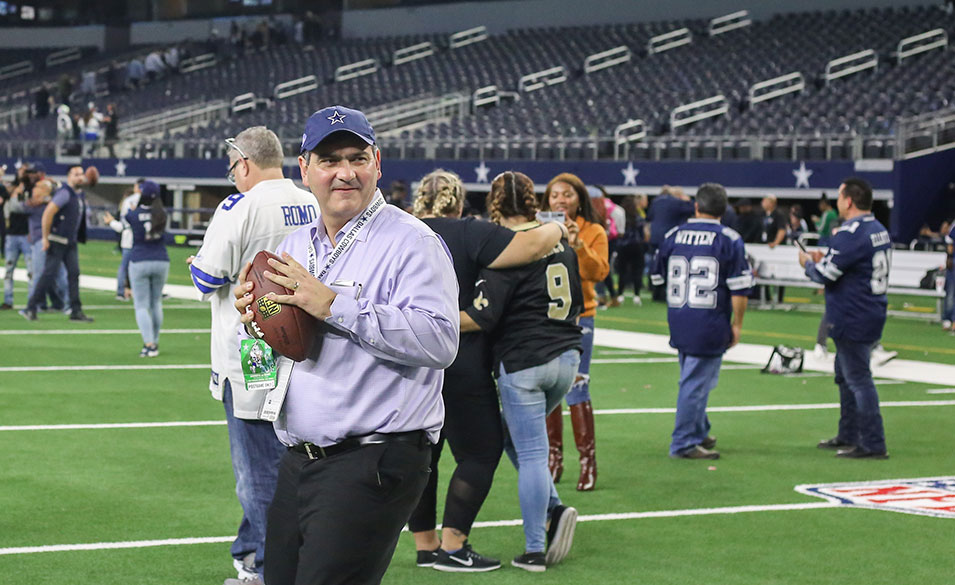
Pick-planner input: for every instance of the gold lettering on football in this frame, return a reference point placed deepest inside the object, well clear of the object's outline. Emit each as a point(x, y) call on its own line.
point(268, 307)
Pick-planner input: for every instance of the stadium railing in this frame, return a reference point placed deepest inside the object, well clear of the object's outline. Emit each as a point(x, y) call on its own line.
point(779, 266)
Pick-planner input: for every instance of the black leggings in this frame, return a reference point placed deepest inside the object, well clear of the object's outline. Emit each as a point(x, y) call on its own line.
point(472, 427)
point(630, 265)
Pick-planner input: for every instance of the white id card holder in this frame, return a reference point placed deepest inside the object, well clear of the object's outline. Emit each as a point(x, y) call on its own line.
point(272, 405)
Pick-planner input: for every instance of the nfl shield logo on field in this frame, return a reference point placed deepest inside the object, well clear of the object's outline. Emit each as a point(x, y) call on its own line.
point(927, 496)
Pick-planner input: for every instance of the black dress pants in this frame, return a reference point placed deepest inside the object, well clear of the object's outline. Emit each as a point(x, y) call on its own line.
point(337, 520)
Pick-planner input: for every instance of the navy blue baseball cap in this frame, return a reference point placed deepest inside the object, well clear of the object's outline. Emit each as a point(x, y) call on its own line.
point(327, 121)
point(148, 191)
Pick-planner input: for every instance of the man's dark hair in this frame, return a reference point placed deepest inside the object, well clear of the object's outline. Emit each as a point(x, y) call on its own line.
point(711, 199)
point(860, 192)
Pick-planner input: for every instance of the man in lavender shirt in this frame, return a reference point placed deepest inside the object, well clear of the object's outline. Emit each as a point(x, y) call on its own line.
point(364, 408)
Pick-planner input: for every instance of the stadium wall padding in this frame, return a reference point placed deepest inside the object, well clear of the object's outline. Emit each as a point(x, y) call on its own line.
point(924, 194)
point(919, 188)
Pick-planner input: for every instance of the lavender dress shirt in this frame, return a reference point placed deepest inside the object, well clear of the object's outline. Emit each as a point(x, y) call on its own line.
point(380, 367)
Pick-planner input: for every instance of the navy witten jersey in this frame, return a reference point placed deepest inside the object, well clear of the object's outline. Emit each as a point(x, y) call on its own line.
point(855, 272)
point(531, 311)
point(703, 264)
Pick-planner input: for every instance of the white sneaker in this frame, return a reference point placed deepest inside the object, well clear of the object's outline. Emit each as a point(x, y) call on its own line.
point(881, 356)
point(946, 324)
point(245, 569)
point(256, 580)
point(637, 300)
point(820, 353)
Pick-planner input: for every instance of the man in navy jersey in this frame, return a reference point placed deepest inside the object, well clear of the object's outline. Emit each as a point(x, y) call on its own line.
point(708, 280)
point(949, 313)
point(855, 272)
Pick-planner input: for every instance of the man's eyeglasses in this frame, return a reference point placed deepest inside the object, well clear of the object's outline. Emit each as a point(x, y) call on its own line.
point(231, 175)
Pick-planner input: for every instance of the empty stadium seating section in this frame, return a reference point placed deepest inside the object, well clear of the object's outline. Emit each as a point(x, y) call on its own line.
point(850, 117)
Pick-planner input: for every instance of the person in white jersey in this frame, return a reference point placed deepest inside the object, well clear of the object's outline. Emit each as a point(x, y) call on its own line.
point(266, 208)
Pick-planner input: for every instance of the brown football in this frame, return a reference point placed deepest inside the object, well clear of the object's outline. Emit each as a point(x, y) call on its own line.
point(92, 176)
point(288, 329)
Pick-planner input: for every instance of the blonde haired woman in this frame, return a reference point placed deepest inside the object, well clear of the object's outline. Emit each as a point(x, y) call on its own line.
point(472, 417)
point(567, 193)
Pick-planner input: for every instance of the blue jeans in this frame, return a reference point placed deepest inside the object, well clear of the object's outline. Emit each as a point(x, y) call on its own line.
point(698, 377)
point(59, 293)
point(527, 396)
point(147, 278)
point(580, 391)
point(860, 421)
point(16, 246)
point(948, 313)
point(255, 462)
point(121, 273)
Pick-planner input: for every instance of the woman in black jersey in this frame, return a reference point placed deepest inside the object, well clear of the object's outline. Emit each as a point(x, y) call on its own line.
point(472, 424)
point(531, 313)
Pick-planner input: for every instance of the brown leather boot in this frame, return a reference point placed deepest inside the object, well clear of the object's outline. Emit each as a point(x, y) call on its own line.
point(582, 418)
point(555, 436)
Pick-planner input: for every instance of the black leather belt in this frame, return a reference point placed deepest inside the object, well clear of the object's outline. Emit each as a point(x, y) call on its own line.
point(313, 451)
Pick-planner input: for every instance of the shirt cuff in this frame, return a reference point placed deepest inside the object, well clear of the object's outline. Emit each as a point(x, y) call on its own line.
point(344, 313)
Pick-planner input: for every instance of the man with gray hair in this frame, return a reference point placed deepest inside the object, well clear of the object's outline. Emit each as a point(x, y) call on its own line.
point(703, 265)
point(266, 208)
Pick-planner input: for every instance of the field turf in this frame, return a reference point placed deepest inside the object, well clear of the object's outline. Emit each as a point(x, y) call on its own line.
point(651, 520)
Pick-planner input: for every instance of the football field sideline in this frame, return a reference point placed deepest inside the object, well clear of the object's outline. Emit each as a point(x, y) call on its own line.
point(20, 550)
point(598, 412)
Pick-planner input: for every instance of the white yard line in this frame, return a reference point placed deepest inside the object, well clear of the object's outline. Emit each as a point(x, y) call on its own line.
point(941, 391)
point(649, 360)
point(19, 550)
point(111, 367)
point(91, 331)
point(602, 412)
point(618, 352)
point(769, 407)
point(750, 353)
point(100, 426)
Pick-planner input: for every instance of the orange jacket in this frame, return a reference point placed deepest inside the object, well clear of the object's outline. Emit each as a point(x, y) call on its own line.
point(593, 260)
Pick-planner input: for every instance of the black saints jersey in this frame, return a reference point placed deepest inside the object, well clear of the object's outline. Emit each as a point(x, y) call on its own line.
point(531, 311)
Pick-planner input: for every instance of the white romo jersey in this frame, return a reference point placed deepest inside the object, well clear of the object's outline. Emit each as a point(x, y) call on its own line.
point(243, 225)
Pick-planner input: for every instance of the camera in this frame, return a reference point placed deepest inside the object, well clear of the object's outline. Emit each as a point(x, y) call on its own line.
point(28, 179)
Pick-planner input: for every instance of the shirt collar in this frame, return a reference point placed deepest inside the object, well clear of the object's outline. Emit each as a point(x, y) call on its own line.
point(526, 226)
point(317, 228)
point(703, 220)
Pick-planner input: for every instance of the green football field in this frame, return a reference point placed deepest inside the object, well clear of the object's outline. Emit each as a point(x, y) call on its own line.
point(115, 469)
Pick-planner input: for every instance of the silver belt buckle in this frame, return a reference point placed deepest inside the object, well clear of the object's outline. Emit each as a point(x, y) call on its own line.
point(308, 451)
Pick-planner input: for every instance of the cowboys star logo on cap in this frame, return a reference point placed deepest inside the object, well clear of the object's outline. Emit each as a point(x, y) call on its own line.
point(337, 118)
point(333, 119)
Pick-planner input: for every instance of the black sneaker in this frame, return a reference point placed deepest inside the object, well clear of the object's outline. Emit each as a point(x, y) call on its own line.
point(464, 560)
point(80, 316)
point(860, 453)
point(534, 562)
point(833, 443)
point(27, 314)
point(6, 307)
point(426, 558)
point(696, 452)
point(560, 534)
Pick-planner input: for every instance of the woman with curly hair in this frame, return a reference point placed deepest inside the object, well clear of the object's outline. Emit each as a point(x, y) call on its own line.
point(567, 193)
point(531, 313)
point(472, 424)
